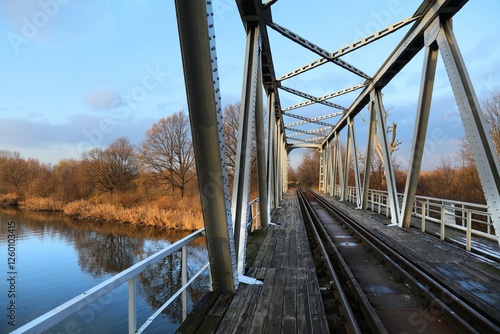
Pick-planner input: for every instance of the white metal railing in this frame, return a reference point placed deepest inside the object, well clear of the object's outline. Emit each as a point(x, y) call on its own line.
point(62, 312)
point(253, 216)
point(472, 218)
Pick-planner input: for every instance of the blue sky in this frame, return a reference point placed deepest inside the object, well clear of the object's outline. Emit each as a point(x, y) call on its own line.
point(79, 74)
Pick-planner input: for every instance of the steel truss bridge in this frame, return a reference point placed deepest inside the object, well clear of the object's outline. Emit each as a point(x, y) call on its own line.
point(225, 214)
point(430, 30)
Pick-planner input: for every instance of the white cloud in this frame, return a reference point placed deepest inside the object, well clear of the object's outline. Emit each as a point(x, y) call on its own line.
point(102, 99)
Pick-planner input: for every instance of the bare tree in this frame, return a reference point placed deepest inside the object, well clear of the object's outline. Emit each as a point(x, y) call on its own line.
point(15, 172)
point(377, 176)
point(111, 168)
point(393, 143)
point(168, 150)
point(230, 126)
point(491, 111)
point(308, 170)
point(231, 121)
point(69, 181)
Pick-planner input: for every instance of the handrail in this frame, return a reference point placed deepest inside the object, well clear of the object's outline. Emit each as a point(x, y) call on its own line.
point(454, 214)
point(62, 312)
point(253, 217)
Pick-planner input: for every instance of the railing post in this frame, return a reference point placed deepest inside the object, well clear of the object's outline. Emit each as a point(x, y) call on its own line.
point(442, 222)
point(424, 213)
point(387, 206)
point(468, 234)
point(184, 281)
point(132, 309)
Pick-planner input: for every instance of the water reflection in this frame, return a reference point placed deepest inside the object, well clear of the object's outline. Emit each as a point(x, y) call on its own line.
point(101, 250)
point(159, 282)
point(100, 254)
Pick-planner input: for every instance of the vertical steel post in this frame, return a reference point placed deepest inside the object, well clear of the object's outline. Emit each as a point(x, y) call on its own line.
point(476, 130)
point(279, 176)
point(284, 171)
point(282, 165)
point(262, 163)
point(372, 132)
point(184, 281)
point(354, 149)
point(321, 185)
point(347, 165)
point(340, 168)
point(276, 157)
point(443, 222)
point(468, 233)
point(243, 160)
point(333, 186)
point(389, 170)
point(271, 121)
point(325, 169)
point(328, 164)
point(331, 168)
point(197, 40)
point(132, 306)
point(424, 216)
point(421, 121)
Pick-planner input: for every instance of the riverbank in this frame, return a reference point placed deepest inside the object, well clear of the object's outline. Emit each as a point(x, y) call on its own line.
point(180, 214)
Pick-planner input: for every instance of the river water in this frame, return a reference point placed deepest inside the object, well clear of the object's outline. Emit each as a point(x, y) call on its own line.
point(47, 259)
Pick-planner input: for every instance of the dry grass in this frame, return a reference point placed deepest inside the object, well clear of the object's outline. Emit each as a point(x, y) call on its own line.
point(10, 199)
point(179, 218)
point(42, 204)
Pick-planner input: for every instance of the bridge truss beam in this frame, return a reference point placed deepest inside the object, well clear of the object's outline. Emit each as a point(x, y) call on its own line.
point(316, 49)
point(324, 98)
point(199, 60)
point(311, 98)
point(243, 159)
point(352, 47)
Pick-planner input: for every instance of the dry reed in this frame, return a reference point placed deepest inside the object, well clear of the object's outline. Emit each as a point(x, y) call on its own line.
point(9, 199)
point(42, 204)
point(178, 218)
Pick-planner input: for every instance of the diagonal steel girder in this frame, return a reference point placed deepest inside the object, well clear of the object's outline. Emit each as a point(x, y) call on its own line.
point(269, 3)
point(316, 49)
point(310, 140)
point(409, 46)
point(301, 134)
point(316, 120)
point(324, 97)
point(354, 46)
point(311, 98)
point(308, 132)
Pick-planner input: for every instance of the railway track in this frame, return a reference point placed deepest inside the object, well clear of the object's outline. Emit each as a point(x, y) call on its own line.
point(369, 288)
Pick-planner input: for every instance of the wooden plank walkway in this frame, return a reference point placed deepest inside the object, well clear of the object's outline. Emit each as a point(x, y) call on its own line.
point(289, 301)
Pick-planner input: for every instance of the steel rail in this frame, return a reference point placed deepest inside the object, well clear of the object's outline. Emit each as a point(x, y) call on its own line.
point(366, 308)
point(344, 307)
point(460, 314)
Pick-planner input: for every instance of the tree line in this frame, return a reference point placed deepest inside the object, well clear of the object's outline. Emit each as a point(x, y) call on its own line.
point(161, 166)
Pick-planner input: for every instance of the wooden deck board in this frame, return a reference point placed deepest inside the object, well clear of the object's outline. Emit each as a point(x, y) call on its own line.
point(262, 310)
point(289, 301)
